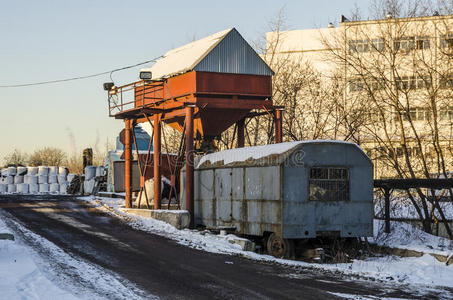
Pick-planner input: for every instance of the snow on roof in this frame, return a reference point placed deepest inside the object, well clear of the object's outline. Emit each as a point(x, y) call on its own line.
point(185, 58)
point(257, 152)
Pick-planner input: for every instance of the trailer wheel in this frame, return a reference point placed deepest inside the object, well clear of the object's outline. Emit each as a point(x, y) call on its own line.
point(280, 247)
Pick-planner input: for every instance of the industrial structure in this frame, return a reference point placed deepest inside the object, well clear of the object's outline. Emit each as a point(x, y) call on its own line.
point(200, 89)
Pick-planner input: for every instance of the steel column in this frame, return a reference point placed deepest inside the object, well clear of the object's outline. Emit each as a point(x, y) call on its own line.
point(156, 162)
point(241, 137)
point(278, 126)
point(387, 209)
point(127, 163)
point(189, 165)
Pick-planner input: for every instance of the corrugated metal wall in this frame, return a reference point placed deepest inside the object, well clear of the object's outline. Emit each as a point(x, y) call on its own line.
point(234, 55)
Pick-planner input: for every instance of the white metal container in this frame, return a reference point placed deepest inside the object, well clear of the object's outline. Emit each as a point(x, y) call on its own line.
point(9, 180)
point(33, 188)
point(61, 179)
point(23, 188)
point(53, 178)
point(18, 179)
point(43, 179)
point(54, 188)
point(12, 188)
point(44, 188)
point(53, 170)
point(32, 170)
point(90, 172)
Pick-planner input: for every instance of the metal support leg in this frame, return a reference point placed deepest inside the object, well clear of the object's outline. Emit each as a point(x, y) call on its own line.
point(156, 162)
point(127, 163)
point(241, 137)
point(387, 210)
point(189, 165)
point(278, 126)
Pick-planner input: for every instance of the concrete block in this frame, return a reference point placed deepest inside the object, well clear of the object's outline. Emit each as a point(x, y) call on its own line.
point(246, 245)
point(6, 236)
point(177, 218)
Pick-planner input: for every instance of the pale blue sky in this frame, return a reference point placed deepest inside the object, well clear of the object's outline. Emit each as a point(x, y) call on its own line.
point(46, 40)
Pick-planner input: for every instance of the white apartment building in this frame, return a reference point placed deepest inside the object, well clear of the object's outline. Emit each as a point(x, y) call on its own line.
point(399, 70)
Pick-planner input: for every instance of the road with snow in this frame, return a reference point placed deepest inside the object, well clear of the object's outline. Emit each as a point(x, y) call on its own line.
point(152, 265)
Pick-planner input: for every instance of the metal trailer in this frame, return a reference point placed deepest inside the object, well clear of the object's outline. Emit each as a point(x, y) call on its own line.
point(286, 191)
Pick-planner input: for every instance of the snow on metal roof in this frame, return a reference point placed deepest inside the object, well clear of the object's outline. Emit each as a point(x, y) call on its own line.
point(258, 152)
point(185, 58)
point(224, 52)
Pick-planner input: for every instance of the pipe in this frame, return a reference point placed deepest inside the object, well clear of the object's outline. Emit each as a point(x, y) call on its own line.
point(240, 129)
point(189, 165)
point(156, 162)
point(127, 163)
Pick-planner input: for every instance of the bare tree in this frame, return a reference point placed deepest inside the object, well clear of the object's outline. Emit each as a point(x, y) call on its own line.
point(47, 156)
point(395, 68)
point(16, 158)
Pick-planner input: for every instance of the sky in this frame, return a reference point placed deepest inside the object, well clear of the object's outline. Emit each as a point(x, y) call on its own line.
point(49, 40)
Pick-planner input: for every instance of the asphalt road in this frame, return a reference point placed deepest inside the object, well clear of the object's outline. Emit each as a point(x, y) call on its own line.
point(162, 267)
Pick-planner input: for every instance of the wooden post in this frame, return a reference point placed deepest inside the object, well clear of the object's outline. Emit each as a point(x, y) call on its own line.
point(156, 163)
point(127, 163)
point(387, 209)
point(240, 131)
point(189, 165)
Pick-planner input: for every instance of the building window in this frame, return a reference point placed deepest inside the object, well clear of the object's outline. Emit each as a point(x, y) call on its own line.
point(446, 114)
point(446, 41)
point(406, 83)
point(329, 184)
point(358, 85)
point(377, 45)
point(412, 43)
point(416, 114)
point(366, 45)
point(447, 82)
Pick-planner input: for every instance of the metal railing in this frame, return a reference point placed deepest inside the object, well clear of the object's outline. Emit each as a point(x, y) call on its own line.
point(134, 95)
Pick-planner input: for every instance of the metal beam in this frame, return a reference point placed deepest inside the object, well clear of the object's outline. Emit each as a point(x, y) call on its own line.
point(189, 165)
point(240, 125)
point(404, 184)
point(156, 162)
point(127, 163)
point(278, 126)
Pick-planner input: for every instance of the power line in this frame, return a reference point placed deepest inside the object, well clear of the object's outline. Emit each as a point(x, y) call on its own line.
point(79, 77)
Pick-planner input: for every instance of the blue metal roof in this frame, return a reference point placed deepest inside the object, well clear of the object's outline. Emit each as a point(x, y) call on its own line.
point(234, 55)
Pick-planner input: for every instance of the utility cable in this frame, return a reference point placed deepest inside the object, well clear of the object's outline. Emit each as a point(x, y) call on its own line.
point(79, 77)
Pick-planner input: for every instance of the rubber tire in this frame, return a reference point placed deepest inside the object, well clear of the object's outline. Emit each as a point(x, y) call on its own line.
point(280, 247)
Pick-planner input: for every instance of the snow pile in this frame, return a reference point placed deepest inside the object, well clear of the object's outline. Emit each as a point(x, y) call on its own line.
point(425, 270)
point(20, 276)
point(33, 180)
point(405, 236)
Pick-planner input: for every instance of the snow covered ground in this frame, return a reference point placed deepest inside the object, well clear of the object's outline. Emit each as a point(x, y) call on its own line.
point(20, 277)
point(25, 274)
point(425, 270)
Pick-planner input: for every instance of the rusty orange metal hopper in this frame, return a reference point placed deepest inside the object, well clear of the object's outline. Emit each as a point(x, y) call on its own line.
point(219, 99)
